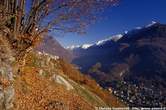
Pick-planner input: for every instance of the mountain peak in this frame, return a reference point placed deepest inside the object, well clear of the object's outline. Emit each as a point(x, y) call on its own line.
point(72, 47)
point(151, 24)
point(98, 43)
point(138, 59)
point(113, 38)
point(85, 46)
point(51, 46)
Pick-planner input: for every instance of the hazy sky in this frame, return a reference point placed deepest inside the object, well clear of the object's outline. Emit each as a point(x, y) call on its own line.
point(127, 15)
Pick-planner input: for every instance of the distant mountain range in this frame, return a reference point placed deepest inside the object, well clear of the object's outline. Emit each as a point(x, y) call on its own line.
point(136, 57)
point(139, 51)
point(101, 42)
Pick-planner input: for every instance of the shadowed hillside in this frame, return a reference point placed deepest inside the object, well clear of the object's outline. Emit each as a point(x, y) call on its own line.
point(138, 58)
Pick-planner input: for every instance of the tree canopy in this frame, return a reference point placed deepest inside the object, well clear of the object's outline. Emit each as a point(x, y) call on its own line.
point(26, 20)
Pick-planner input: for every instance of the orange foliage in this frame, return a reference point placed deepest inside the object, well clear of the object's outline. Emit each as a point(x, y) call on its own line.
point(86, 81)
point(4, 82)
point(34, 92)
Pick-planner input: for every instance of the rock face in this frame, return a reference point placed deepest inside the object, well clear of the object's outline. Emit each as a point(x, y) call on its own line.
point(59, 79)
point(6, 76)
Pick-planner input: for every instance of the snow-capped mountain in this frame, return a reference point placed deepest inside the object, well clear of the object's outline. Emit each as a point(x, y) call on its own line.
point(151, 24)
point(114, 38)
point(136, 29)
point(84, 46)
point(139, 56)
point(72, 47)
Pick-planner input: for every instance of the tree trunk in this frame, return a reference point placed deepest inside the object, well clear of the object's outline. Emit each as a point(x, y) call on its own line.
point(6, 75)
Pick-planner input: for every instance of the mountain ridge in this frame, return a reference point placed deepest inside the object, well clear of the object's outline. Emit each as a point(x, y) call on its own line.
point(136, 58)
point(115, 37)
point(52, 46)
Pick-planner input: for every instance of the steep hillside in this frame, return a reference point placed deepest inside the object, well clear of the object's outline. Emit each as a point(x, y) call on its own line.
point(47, 82)
point(51, 46)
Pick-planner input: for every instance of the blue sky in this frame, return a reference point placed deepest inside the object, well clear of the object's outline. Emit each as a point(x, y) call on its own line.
point(126, 16)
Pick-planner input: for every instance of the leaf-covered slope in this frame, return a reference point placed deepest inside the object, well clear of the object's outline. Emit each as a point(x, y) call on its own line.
point(43, 83)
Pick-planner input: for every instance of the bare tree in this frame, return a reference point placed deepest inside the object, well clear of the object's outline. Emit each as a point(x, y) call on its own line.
point(24, 21)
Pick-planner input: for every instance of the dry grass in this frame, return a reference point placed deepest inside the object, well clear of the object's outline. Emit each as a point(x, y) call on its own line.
point(34, 92)
point(90, 84)
point(37, 93)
